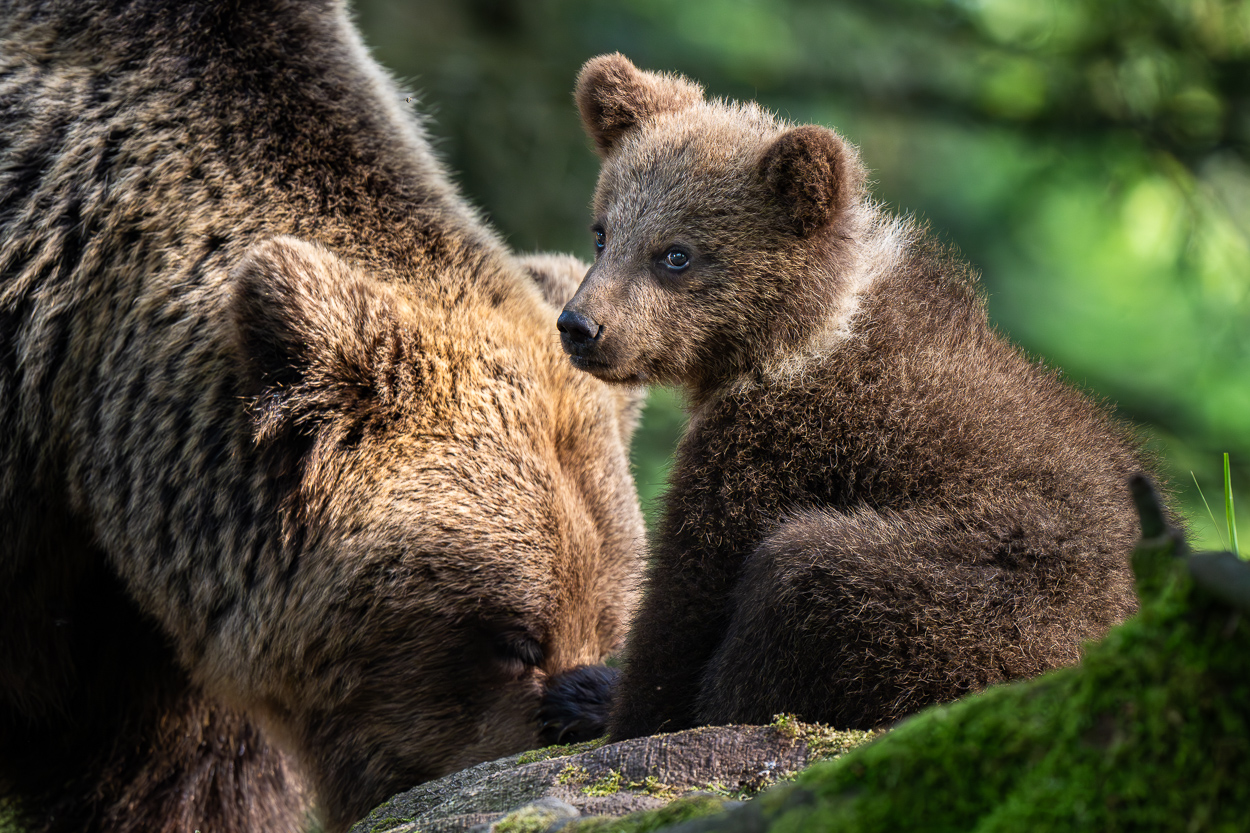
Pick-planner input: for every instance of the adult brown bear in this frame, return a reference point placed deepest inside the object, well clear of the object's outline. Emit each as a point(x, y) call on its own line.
point(879, 503)
point(300, 500)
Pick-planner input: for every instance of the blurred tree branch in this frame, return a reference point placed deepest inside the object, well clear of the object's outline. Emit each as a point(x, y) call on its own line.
point(1177, 74)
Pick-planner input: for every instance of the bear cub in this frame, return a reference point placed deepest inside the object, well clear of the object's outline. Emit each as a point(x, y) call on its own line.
point(879, 503)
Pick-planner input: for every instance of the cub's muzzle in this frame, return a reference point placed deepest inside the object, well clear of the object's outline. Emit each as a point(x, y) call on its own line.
point(577, 331)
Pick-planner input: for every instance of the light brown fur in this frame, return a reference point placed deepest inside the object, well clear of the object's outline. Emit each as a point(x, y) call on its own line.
point(558, 276)
point(299, 498)
point(879, 503)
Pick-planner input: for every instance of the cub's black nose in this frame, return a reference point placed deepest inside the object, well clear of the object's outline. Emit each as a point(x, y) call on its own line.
point(576, 329)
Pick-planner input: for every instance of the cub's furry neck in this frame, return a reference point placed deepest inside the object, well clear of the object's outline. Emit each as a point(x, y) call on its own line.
point(878, 246)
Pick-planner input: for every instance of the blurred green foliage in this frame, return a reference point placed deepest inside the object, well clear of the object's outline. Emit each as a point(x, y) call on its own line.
point(1090, 157)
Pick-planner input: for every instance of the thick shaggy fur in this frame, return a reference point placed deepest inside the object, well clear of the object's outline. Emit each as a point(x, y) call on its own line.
point(299, 499)
point(879, 503)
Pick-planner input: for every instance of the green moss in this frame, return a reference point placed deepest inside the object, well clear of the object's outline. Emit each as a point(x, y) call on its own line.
point(787, 724)
point(10, 816)
point(609, 784)
point(387, 824)
point(1150, 732)
point(683, 809)
point(526, 820)
point(823, 742)
point(656, 788)
point(546, 753)
point(573, 775)
point(746, 790)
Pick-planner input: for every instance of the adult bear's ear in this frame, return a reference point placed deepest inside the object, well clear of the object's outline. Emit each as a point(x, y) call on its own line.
point(315, 336)
point(814, 174)
point(613, 96)
point(556, 275)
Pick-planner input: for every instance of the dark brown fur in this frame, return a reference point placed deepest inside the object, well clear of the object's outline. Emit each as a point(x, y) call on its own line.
point(299, 498)
point(879, 503)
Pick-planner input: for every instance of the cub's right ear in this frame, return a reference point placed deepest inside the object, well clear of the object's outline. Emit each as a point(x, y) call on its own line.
point(815, 174)
point(613, 96)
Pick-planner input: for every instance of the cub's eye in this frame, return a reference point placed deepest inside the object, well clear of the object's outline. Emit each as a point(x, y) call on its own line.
point(601, 239)
point(676, 259)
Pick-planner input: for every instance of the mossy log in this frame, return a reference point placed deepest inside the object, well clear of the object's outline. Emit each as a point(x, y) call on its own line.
point(1151, 732)
point(708, 767)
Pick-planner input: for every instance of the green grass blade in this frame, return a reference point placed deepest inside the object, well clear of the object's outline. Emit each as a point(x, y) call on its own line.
point(1228, 507)
point(1214, 522)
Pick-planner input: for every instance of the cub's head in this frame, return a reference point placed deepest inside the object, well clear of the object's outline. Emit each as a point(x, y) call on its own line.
point(720, 231)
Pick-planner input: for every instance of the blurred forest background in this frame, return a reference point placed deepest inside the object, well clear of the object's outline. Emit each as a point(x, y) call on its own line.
point(1090, 157)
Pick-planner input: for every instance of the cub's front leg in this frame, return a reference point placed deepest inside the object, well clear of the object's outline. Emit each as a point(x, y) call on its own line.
point(677, 628)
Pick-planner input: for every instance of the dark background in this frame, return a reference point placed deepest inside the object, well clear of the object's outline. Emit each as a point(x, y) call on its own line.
point(1089, 157)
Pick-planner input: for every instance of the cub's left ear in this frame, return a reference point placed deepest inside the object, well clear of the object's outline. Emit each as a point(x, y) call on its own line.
point(815, 174)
